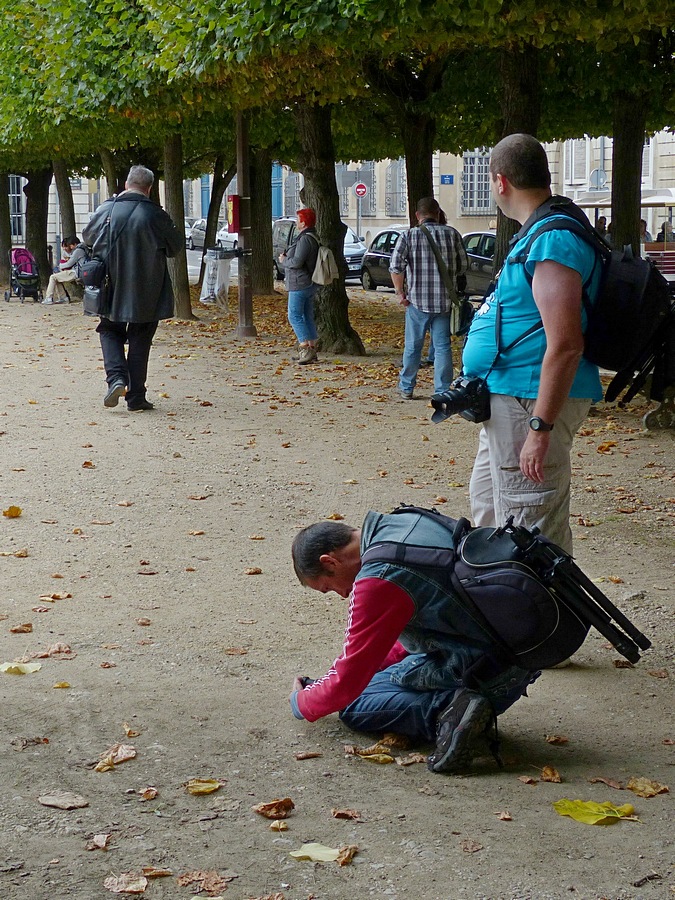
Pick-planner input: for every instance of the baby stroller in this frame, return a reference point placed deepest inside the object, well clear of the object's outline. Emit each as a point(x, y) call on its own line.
point(24, 279)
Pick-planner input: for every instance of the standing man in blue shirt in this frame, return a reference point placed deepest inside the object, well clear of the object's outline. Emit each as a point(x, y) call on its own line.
point(426, 300)
point(542, 388)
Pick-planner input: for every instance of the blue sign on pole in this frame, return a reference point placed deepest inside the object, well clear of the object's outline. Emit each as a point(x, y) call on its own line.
point(447, 179)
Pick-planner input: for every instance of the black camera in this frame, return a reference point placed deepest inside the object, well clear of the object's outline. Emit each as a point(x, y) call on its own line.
point(470, 397)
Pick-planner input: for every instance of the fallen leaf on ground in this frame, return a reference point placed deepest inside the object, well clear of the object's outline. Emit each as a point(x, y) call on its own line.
point(98, 842)
point(549, 773)
point(126, 883)
point(394, 741)
point(199, 496)
point(315, 853)
point(129, 731)
point(622, 664)
point(63, 800)
point(308, 754)
point(505, 816)
point(557, 739)
point(469, 846)
point(55, 651)
point(115, 755)
point(199, 786)
point(411, 759)
point(346, 855)
point(108, 665)
point(235, 651)
point(155, 872)
point(256, 537)
point(275, 809)
point(335, 517)
point(659, 673)
point(606, 446)
point(148, 793)
point(210, 881)
point(145, 622)
point(88, 464)
point(279, 825)
point(20, 554)
point(608, 781)
point(12, 512)
point(644, 787)
point(61, 684)
point(346, 814)
point(40, 609)
point(56, 595)
point(25, 628)
point(528, 779)
point(254, 570)
point(591, 813)
point(22, 742)
point(195, 533)
point(126, 503)
point(147, 572)
point(20, 668)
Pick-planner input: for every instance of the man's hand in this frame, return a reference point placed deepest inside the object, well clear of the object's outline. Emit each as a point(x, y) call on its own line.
point(403, 300)
point(533, 454)
point(299, 683)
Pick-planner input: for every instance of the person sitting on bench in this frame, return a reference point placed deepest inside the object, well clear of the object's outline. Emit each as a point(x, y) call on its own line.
point(69, 271)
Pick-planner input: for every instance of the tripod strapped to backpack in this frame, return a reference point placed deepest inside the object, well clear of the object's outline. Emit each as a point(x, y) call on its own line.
point(511, 591)
point(564, 578)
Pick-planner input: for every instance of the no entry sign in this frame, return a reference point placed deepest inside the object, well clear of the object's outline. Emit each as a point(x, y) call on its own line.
point(360, 189)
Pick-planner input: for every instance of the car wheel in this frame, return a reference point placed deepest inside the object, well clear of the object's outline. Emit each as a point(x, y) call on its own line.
point(367, 281)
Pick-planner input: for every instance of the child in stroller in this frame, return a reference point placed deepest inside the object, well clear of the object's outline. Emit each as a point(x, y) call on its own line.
point(24, 279)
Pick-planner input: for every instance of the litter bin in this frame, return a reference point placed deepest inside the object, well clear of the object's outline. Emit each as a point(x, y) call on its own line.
point(216, 283)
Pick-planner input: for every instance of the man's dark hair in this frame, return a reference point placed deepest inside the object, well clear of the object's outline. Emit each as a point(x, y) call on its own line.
point(428, 206)
point(522, 160)
point(312, 542)
point(71, 239)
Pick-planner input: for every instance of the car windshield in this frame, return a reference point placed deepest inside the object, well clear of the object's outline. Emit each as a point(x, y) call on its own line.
point(351, 237)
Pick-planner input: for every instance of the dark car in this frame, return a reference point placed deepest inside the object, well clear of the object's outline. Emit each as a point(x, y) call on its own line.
point(283, 234)
point(375, 266)
point(480, 249)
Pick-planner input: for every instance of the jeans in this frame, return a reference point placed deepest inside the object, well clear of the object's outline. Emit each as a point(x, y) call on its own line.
point(385, 705)
point(498, 488)
point(132, 367)
point(417, 324)
point(301, 314)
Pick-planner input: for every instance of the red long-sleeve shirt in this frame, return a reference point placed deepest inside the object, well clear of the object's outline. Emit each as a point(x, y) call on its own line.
point(378, 612)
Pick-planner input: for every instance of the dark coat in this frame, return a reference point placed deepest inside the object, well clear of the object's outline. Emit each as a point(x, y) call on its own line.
point(300, 260)
point(141, 287)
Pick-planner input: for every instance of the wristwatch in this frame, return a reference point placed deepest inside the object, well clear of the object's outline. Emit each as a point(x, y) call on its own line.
point(537, 424)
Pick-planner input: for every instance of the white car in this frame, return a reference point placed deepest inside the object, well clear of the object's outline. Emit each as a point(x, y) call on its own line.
point(225, 240)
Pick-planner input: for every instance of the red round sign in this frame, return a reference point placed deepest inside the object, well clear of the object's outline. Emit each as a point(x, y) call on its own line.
point(360, 189)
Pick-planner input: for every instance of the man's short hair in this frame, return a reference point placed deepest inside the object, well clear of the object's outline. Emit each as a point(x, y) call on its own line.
point(522, 160)
point(312, 542)
point(428, 206)
point(70, 240)
point(140, 177)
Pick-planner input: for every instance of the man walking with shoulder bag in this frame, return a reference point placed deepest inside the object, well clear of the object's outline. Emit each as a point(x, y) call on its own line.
point(136, 236)
point(420, 256)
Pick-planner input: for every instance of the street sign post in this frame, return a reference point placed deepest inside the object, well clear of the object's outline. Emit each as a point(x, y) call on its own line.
point(360, 190)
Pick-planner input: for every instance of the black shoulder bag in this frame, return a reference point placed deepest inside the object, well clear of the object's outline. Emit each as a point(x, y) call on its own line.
point(95, 276)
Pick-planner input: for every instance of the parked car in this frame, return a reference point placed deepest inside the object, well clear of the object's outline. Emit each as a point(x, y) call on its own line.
point(480, 249)
point(188, 230)
point(375, 266)
point(227, 240)
point(283, 234)
point(197, 236)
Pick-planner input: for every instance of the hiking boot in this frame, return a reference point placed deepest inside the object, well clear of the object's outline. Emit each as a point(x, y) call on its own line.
point(116, 390)
point(307, 355)
point(457, 729)
point(405, 395)
point(140, 406)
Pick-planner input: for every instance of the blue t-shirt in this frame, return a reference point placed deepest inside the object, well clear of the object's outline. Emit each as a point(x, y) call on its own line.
point(516, 372)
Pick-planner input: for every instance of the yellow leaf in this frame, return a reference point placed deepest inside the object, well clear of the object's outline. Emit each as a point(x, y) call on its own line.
point(62, 684)
point(591, 813)
point(315, 853)
point(20, 668)
point(199, 786)
point(335, 517)
point(643, 787)
point(12, 512)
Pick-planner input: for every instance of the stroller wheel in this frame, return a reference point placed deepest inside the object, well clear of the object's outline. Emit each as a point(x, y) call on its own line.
point(7, 295)
point(21, 294)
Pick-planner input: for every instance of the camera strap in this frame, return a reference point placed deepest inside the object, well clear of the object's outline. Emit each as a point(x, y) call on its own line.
point(502, 350)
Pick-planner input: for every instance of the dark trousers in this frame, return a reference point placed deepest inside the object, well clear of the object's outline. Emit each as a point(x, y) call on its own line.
point(130, 367)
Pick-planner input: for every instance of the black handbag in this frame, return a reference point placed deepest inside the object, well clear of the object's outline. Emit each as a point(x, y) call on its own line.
point(97, 299)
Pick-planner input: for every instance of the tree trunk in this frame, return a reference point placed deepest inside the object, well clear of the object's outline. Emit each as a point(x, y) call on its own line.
point(418, 133)
point(221, 178)
point(173, 189)
point(630, 119)
point(115, 171)
point(37, 208)
point(521, 114)
point(65, 192)
point(5, 230)
point(261, 217)
point(317, 163)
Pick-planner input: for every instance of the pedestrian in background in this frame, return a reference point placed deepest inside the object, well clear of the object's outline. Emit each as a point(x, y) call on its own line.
point(298, 263)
